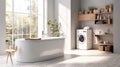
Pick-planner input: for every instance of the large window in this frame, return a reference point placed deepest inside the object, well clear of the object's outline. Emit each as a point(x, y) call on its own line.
point(23, 18)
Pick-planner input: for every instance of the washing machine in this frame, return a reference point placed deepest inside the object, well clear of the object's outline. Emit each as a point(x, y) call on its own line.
point(84, 39)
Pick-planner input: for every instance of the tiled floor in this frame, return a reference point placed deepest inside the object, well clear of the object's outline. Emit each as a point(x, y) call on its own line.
point(75, 58)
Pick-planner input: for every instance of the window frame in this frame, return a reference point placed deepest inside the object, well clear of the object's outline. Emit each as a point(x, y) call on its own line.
point(39, 34)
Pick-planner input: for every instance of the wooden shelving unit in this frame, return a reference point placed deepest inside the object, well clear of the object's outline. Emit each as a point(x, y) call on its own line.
point(103, 18)
point(87, 17)
point(103, 24)
point(100, 19)
point(103, 34)
point(105, 46)
point(102, 44)
point(105, 13)
point(94, 17)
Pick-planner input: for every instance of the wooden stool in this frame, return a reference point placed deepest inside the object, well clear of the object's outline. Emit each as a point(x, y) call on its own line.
point(9, 54)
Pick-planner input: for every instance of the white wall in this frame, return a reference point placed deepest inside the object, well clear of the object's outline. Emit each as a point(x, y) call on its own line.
point(51, 9)
point(116, 26)
point(63, 15)
point(2, 26)
point(48, 13)
point(66, 11)
point(84, 4)
point(74, 21)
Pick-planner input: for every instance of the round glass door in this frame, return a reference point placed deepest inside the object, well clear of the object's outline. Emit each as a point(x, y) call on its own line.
point(81, 38)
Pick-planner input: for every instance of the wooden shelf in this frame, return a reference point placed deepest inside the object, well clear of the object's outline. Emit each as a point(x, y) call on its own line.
point(102, 44)
point(103, 34)
point(87, 17)
point(105, 13)
point(107, 18)
point(100, 19)
point(103, 24)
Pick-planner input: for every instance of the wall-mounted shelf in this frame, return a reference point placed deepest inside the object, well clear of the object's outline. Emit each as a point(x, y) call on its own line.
point(103, 24)
point(103, 34)
point(97, 18)
point(103, 18)
point(105, 13)
point(102, 44)
point(87, 17)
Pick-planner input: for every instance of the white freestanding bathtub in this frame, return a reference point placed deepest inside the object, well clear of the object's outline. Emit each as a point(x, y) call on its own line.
point(38, 50)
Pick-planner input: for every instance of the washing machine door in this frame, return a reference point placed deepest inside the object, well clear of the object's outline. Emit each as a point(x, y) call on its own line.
point(81, 41)
point(81, 38)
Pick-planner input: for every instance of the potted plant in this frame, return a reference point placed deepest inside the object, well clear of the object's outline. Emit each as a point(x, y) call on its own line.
point(53, 28)
point(91, 9)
